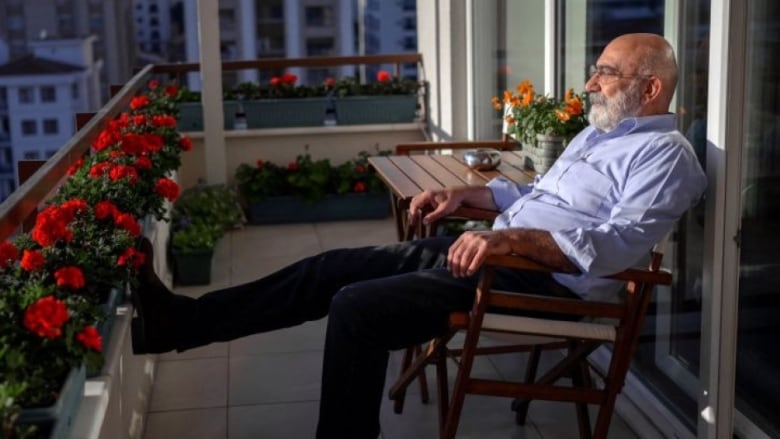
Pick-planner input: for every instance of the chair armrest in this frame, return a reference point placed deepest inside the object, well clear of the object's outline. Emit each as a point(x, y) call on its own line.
point(474, 213)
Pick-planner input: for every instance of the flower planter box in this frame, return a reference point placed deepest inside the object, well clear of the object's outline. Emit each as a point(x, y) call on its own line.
point(356, 110)
point(191, 115)
point(293, 209)
point(192, 268)
point(280, 113)
point(56, 420)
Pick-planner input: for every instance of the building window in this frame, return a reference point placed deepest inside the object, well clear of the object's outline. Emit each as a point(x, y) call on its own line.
point(409, 5)
point(319, 46)
point(410, 43)
point(50, 153)
point(153, 8)
point(31, 155)
point(26, 95)
point(74, 91)
point(319, 16)
point(3, 96)
point(48, 94)
point(29, 127)
point(410, 23)
point(51, 126)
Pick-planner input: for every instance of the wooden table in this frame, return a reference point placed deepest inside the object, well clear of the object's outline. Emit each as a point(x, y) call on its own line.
point(408, 175)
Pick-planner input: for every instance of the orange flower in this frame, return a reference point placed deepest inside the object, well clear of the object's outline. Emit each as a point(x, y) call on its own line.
point(524, 87)
point(496, 103)
point(510, 120)
point(528, 99)
point(508, 97)
point(574, 106)
point(562, 115)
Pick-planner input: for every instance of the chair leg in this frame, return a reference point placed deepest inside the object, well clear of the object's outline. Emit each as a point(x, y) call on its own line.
point(442, 387)
point(422, 379)
point(519, 405)
point(400, 396)
point(581, 379)
point(605, 414)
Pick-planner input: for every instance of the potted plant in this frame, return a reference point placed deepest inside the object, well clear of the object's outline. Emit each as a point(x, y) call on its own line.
point(201, 216)
point(387, 100)
point(191, 111)
point(308, 190)
point(282, 103)
point(543, 124)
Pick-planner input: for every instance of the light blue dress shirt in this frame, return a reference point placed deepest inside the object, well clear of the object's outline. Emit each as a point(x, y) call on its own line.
point(608, 198)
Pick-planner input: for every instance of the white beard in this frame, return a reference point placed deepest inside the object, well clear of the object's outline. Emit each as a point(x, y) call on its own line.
point(605, 114)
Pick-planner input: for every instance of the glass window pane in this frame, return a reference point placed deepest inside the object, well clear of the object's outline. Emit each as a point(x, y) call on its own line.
point(667, 358)
point(758, 359)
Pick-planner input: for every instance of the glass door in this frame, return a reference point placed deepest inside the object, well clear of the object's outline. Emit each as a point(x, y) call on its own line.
point(758, 359)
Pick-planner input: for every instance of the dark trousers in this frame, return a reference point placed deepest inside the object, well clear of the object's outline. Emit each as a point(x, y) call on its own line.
point(378, 299)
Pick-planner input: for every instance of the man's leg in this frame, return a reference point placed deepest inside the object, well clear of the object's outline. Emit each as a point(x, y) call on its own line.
point(293, 295)
point(369, 318)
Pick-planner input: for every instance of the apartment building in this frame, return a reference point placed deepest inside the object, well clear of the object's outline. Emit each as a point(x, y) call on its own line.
point(153, 27)
point(389, 27)
point(251, 29)
point(22, 21)
point(39, 95)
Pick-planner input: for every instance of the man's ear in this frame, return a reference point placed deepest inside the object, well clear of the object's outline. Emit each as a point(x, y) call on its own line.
point(652, 90)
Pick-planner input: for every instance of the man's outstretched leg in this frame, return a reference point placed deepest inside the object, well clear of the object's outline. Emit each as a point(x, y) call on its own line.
point(293, 295)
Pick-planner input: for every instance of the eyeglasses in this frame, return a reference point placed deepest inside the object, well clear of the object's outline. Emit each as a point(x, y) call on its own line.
point(607, 74)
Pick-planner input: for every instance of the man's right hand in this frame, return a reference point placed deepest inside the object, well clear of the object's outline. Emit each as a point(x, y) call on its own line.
point(440, 203)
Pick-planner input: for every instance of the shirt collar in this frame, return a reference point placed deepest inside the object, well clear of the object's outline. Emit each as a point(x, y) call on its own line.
point(629, 125)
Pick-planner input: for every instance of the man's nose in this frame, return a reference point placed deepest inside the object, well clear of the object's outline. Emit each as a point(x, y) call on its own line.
point(592, 84)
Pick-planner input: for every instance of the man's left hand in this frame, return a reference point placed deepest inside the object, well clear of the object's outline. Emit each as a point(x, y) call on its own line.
point(469, 251)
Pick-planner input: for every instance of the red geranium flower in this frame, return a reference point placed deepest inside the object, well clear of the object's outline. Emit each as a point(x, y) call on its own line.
point(275, 81)
point(127, 222)
point(171, 91)
point(153, 84)
point(164, 120)
point(106, 138)
point(90, 338)
point(46, 316)
point(104, 209)
point(99, 169)
point(120, 172)
point(139, 102)
point(32, 260)
point(131, 258)
point(292, 166)
point(383, 76)
point(139, 120)
point(51, 225)
point(359, 187)
point(260, 163)
point(75, 167)
point(70, 276)
point(8, 254)
point(185, 143)
point(143, 162)
point(330, 82)
point(167, 188)
point(289, 79)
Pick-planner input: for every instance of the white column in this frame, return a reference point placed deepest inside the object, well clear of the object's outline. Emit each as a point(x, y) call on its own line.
point(211, 94)
point(248, 38)
point(191, 46)
point(346, 36)
point(292, 33)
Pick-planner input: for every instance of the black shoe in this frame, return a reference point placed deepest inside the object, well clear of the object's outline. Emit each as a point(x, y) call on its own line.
point(152, 327)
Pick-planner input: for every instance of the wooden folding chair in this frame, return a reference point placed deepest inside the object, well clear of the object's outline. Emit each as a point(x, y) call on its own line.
point(616, 324)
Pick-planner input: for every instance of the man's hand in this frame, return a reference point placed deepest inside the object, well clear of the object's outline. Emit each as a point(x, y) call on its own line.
point(442, 202)
point(469, 251)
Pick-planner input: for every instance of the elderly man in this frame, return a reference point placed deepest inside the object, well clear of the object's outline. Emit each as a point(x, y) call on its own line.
point(621, 184)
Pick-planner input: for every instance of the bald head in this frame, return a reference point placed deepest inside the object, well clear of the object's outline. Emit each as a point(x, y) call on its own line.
point(647, 55)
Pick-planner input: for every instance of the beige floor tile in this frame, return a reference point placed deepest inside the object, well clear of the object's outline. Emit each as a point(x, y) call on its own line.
point(294, 240)
point(275, 378)
point(214, 350)
point(307, 337)
point(190, 384)
point(273, 421)
point(190, 424)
